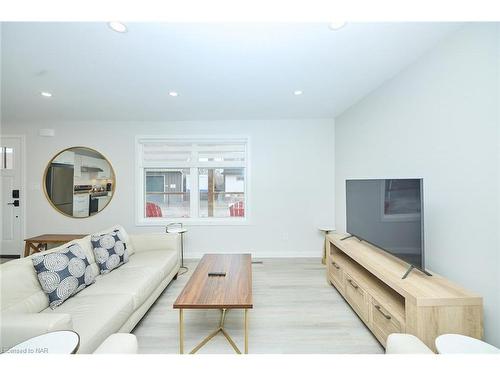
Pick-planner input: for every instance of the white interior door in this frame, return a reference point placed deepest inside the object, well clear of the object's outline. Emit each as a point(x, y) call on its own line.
point(12, 195)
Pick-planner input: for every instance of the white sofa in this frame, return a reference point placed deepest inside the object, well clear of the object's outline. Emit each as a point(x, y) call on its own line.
point(116, 302)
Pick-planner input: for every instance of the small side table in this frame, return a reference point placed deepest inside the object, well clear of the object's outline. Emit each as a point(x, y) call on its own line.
point(179, 229)
point(325, 230)
point(57, 342)
point(460, 344)
point(39, 243)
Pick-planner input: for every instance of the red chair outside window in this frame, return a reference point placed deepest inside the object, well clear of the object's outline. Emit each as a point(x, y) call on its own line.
point(153, 210)
point(237, 209)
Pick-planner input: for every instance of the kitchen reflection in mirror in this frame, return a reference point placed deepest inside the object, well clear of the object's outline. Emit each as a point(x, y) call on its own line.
point(79, 182)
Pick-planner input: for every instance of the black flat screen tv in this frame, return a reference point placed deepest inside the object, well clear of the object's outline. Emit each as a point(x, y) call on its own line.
point(388, 213)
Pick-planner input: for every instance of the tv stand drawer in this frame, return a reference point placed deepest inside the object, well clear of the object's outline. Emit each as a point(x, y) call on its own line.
point(336, 275)
point(383, 322)
point(356, 297)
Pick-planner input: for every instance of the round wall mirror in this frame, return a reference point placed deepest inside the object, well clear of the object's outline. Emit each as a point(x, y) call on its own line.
point(79, 182)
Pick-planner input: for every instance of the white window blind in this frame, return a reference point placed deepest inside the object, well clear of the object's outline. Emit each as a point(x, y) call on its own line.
point(193, 153)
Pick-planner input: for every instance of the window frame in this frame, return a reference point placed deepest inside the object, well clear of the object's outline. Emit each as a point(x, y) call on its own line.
point(140, 172)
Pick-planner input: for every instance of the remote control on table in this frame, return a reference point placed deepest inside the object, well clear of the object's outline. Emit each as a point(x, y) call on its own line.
point(216, 274)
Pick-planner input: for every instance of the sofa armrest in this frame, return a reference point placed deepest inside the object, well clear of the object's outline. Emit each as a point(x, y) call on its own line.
point(156, 241)
point(402, 343)
point(16, 328)
point(118, 343)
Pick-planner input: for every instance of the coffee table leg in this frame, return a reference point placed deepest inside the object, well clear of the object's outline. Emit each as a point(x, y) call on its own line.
point(246, 331)
point(181, 331)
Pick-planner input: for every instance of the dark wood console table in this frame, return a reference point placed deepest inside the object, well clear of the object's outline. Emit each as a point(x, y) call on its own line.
point(39, 243)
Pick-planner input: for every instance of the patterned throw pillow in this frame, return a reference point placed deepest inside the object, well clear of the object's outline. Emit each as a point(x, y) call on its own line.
point(64, 273)
point(110, 250)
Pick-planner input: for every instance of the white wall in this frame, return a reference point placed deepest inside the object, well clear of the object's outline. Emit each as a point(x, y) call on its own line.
point(438, 119)
point(291, 182)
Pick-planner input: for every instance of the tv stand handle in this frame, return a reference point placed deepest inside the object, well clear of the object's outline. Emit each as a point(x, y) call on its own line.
point(388, 317)
point(335, 265)
point(352, 283)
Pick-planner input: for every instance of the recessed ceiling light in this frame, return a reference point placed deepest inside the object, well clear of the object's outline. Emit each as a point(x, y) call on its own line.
point(337, 25)
point(46, 94)
point(173, 93)
point(297, 92)
point(118, 27)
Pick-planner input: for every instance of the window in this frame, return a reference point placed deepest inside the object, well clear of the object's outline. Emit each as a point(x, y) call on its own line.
point(192, 180)
point(167, 193)
point(220, 190)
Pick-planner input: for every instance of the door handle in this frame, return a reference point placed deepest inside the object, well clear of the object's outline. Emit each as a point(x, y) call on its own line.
point(15, 203)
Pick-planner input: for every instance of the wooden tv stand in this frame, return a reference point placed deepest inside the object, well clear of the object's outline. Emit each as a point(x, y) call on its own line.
point(370, 280)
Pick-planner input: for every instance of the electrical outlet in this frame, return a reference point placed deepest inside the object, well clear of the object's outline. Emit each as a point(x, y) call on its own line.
point(284, 236)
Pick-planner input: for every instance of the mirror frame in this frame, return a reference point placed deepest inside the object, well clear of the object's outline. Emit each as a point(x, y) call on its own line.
point(44, 183)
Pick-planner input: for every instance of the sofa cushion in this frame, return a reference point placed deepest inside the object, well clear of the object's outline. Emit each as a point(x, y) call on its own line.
point(110, 250)
point(137, 283)
point(161, 262)
point(20, 289)
point(119, 343)
point(96, 317)
point(155, 241)
point(63, 274)
point(18, 327)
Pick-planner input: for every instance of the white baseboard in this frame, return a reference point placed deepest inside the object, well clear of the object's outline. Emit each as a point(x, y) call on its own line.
point(301, 254)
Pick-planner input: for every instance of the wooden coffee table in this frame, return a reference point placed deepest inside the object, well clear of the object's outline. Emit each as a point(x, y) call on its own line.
point(233, 291)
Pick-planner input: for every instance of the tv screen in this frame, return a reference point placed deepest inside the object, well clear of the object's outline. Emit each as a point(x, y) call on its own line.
point(388, 213)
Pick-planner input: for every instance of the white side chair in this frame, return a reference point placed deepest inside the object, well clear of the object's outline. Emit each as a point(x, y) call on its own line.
point(118, 343)
point(402, 343)
point(460, 344)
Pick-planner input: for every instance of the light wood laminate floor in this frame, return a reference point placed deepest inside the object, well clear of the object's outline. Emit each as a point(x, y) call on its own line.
point(295, 311)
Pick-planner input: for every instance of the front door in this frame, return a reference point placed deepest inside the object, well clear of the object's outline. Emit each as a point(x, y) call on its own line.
point(12, 195)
